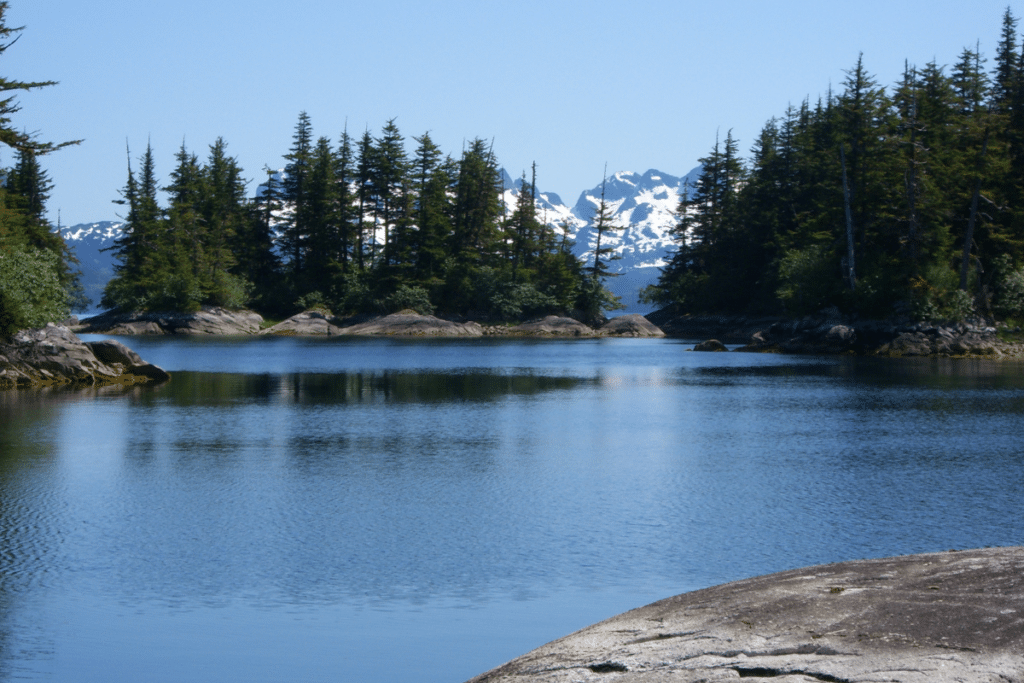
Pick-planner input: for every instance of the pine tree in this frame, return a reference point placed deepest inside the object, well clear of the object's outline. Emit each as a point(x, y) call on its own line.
point(139, 248)
point(295, 237)
point(390, 187)
point(347, 215)
point(324, 243)
point(433, 181)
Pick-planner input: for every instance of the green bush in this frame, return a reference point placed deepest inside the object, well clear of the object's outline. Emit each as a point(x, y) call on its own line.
point(313, 301)
point(416, 298)
point(808, 279)
point(937, 296)
point(1010, 289)
point(230, 291)
point(31, 293)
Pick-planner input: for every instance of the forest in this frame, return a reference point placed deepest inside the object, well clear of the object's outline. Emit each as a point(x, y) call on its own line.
point(905, 201)
point(902, 201)
point(354, 227)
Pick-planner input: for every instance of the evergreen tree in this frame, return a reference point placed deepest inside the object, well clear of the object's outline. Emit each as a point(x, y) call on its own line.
point(139, 249)
point(324, 242)
point(295, 236)
point(347, 216)
point(433, 181)
point(365, 168)
point(390, 187)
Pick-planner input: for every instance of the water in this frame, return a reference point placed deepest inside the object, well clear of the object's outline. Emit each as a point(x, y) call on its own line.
point(392, 510)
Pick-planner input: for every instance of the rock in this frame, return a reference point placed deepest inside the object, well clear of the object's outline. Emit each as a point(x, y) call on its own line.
point(552, 326)
point(936, 618)
point(631, 325)
point(113, 353)
point(53, 355)
point(411, 323)
point(209, 320)
point(710, 345)
point(305, 323)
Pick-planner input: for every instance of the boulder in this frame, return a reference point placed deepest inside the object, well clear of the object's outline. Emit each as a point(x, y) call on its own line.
point(939, 617)
point(53, 355)
point(306, 323)
point(552, 326)
point(412, 324)
point(208, 320)
point(631, 325)
point(710, 345)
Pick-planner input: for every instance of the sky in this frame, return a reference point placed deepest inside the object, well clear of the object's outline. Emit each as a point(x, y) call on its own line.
point(569, 85)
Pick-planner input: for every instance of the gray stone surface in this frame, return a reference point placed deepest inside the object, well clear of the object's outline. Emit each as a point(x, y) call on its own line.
point(411, 323)
point(306, 323)
point(935, 618)
point(710, 345)
point(209, 320)
point(53, 355)
point(630, 325)
point(552, 326)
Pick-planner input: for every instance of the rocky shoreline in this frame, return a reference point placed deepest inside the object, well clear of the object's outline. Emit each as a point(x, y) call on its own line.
point(830, 333)
point(936, 618)
point(220, 321)
point(55, 356)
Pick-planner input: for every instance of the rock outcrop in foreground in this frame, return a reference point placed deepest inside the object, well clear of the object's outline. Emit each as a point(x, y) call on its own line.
point(209, 320)
point(53, 356)
point(935, 618)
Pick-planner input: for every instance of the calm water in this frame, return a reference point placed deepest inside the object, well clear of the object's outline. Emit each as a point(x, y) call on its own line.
point(380, 510)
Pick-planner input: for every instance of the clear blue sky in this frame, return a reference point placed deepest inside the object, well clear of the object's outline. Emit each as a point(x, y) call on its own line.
point(570, 85)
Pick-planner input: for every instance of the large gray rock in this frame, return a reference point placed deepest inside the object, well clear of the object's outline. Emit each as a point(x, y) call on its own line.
point(710, 345)
point(410, 323)
point(307, 323)
point(935, 618)
point(209, 320)
point(552, 326)
point(53, 355)
point(631, 325)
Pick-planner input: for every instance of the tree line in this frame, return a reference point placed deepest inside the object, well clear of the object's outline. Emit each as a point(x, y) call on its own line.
point(360, 225)
point(880, 201)
point(38, 279)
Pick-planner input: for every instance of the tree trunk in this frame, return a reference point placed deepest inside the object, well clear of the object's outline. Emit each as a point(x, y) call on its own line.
point(850, 271)
point(965, 262)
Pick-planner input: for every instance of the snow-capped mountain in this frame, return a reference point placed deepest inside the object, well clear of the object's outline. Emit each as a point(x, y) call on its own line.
point(86, 240)
point(643, 204)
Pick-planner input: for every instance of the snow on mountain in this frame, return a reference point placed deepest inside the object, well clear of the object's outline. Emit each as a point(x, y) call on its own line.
point(643, 204)
point(86, 240)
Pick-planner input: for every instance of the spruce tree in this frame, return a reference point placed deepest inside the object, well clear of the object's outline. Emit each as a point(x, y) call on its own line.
point(295, 236)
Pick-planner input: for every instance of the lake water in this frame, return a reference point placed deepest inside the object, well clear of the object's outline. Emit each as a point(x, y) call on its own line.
point(385, 510)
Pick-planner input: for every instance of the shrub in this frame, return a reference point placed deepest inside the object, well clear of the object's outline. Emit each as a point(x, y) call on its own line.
point(31, 293)
point(416, 298)
point(807, 279)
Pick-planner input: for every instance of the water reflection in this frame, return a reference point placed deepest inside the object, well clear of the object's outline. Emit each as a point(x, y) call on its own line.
point(330, 495)
point(218, 389)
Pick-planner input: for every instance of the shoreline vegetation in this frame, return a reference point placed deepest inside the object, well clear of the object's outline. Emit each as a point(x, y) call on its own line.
point(900, 204)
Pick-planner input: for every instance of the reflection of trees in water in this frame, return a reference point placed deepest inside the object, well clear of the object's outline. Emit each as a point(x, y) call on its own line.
point(212, 389)
point(932, 373)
